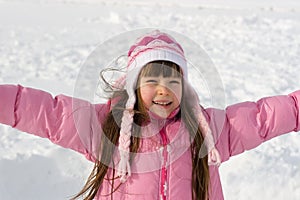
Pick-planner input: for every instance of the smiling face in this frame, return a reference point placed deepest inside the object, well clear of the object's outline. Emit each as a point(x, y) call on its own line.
point(160, 87)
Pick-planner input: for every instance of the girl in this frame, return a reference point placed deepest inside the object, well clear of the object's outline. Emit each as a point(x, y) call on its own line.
point(152, 140)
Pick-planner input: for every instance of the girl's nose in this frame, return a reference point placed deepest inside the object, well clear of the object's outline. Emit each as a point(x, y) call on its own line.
point(162, 90)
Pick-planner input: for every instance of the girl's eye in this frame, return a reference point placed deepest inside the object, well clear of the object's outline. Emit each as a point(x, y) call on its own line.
point(151, 81)
point(174, 82)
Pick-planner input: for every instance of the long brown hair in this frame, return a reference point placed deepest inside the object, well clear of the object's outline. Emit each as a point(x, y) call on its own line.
point(111, 129)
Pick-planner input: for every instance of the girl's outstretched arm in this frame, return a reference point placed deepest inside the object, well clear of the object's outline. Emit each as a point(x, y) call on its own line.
point(69, 122)
point(246, 125)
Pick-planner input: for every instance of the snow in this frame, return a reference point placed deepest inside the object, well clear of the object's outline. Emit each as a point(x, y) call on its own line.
point(254, 45)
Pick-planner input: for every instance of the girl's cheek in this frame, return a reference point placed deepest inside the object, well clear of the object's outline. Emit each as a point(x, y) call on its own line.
point(177, 91)
point(146, 95)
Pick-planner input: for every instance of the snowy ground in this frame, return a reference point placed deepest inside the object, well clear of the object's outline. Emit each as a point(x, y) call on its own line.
point(254, 45)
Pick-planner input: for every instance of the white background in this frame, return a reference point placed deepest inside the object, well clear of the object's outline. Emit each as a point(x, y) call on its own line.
point(255, 46)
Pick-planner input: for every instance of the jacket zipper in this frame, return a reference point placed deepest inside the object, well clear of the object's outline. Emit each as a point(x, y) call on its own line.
point(164, 173)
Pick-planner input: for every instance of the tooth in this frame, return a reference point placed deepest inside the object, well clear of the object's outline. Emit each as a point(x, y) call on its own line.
point(162, 103)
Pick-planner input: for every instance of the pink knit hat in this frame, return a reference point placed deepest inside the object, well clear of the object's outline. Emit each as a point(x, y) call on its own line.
point(151, 47)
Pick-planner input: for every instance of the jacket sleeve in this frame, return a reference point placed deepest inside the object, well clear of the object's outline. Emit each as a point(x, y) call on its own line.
point(246, 125)
point(69, 122)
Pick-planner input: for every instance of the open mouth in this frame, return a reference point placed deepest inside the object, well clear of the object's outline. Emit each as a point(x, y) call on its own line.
point(162, 103)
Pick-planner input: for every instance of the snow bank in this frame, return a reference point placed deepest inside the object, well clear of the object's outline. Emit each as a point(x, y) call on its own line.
point(254, 45)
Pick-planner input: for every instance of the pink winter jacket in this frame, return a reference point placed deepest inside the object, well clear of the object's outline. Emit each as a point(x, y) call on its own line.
point(76, 124)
